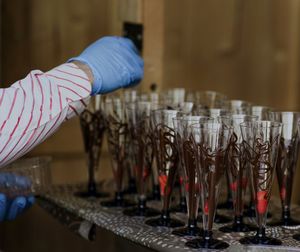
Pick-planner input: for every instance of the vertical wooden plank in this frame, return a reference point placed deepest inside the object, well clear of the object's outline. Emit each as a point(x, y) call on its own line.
point(154, 34)
point(16, 43)
point(293, 56)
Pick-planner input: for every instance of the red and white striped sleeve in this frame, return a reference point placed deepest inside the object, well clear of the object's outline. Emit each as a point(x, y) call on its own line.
point(32, 109)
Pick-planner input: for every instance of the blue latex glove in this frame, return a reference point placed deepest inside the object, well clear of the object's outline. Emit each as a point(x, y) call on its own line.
point(115, 63)
point(11, 208)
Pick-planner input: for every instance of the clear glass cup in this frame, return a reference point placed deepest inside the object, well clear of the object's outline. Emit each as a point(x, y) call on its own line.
point(261, 141)
point(238, 107)
point(287, 163)
point(263, 113)
point(207, 99)
point(297, 236)
point(138, 118)
point(26, 176)
point(210, 141)
point(190, 178)
point(117, 138)
point(93, 126)
point(238, 172)
point(130, 96)
point(165, 152)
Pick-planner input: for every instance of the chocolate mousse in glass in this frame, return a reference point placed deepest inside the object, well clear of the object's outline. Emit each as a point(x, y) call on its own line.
point(297, 236)
point(92, 122)
point(117, 138)
point(165, 152)
point(190, 178)
point(238, 172)
point(261, 141)
point(138, 118)
point(263, 113)
point(184, 108)
point(210, 141)
point(287, 163)
point(130, 96)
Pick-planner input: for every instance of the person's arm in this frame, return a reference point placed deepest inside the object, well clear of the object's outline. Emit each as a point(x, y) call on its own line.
point(33, 108)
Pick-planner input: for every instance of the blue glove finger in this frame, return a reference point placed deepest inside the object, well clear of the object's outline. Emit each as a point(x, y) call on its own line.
point(30, 201)
point(3, 204)
point(17, 207)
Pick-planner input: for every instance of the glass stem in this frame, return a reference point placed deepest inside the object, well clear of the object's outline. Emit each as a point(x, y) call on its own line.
point(156, 192)
point(207, 237)
point(119, 196)
point(165, 215)
point(91, 183)
point(238, 220)
point(142, 204)
point(286, 214)
point(261, 233)
point(192, 223)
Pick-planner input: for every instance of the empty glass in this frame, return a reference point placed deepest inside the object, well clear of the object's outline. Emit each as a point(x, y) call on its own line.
point(26, 176)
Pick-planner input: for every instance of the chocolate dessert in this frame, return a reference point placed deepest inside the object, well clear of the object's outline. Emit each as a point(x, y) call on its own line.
point(167, 159)
point(93, 128)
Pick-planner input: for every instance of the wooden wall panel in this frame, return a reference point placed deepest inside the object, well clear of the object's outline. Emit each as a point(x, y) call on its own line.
point(246, 49)
point(41, 34)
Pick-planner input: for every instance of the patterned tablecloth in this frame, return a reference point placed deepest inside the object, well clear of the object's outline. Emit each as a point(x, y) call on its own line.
point(90, 212)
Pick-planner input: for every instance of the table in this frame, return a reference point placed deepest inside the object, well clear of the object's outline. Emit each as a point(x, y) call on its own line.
point(81, 216)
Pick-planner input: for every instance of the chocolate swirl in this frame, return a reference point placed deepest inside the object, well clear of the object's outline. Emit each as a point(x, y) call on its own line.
point(117, 140)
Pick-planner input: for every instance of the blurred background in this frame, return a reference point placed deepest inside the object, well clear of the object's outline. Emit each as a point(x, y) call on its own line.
point(246, 49)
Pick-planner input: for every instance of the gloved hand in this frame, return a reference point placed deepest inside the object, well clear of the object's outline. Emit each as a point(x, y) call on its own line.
point(115, 63)
point(10, 208)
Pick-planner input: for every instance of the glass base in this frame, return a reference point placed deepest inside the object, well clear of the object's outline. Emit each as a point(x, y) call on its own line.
point(255, 240)
point(91, 194)
point(296, 237)
point(220, 219)
point(188, 231)
point(207, 244)
point(289, 222)
point(117, 203)
point(142, 212)
point(237, 228)
point(164, 222)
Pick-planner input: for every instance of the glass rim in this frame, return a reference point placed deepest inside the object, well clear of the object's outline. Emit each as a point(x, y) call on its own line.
point(261, 107)
point(273, 124)
point(198, 125)
point(285, 112)
point(185, 118)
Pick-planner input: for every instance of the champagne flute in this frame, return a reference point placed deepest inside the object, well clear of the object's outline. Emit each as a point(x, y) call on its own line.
point(261, 141)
